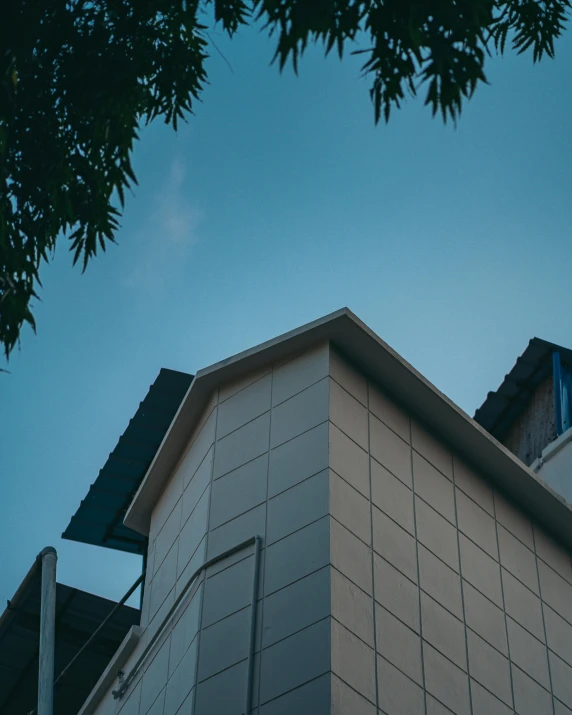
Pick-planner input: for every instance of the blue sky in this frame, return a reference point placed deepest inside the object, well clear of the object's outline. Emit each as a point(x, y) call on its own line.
point(279, 202)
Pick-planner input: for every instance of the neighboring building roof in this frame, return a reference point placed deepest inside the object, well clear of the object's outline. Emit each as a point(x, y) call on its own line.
point(78, 614)
point(502, 407)
point(99, 518)
point(408, 387)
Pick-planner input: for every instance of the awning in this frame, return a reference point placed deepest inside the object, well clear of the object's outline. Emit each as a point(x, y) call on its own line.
point(99, 518)
point(78, 614)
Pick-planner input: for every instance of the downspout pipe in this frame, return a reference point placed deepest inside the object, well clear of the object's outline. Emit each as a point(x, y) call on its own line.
point(48, 558)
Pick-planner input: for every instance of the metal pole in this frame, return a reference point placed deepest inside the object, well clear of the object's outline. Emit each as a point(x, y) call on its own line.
point(49, 559)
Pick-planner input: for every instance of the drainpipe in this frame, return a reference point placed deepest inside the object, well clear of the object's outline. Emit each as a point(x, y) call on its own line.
point(49, 558)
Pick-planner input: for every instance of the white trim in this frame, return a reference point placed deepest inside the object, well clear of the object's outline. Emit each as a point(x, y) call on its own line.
point(109, 675)
point(552, 449)
point(559, 443)
point(407, 386)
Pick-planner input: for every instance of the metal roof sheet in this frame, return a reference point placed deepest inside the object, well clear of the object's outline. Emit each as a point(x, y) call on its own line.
point(99, 518)
point(78, 614)
point(503, 406)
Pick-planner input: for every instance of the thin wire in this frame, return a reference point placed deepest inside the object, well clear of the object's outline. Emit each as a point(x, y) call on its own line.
point(97, 630)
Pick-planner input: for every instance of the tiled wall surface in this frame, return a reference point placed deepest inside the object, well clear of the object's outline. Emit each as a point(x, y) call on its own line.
point(270, 478)
point(177, 547)
point(258, 465)
point(466, 606)
point(394, 580)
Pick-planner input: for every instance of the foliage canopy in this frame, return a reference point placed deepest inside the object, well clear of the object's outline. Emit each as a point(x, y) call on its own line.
point(79, 77)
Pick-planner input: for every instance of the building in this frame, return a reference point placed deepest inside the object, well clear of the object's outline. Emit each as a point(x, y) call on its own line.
point(531, 412)
point(325, 532)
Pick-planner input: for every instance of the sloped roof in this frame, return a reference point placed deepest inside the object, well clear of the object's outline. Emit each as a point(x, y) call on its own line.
point(503, 406)
point(78, 614)
point(99, 518)
point(408, 387)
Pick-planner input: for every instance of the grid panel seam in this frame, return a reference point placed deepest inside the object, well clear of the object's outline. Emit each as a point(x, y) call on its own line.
point(503, 600)
point(462, 584)
point(262, 573)
point(372, 550)
point(543, 622)
point(206, 537)
point(418, 568)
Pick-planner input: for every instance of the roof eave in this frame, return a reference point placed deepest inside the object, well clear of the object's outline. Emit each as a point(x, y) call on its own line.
point(502, 406)
point(414, 392)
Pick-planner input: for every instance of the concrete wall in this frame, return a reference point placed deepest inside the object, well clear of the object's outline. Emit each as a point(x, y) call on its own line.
point(393, 578)
point(535, 427)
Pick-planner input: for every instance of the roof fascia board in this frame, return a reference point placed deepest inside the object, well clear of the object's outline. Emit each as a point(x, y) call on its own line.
point(413, 391)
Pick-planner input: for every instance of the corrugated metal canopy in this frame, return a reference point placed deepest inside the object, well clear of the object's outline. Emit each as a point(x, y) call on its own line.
point(502, 407)
point(78, 614)
point(99, 518)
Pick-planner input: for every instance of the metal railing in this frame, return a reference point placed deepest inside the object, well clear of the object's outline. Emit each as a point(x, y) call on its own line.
point(255, 541)
point(46, 688)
